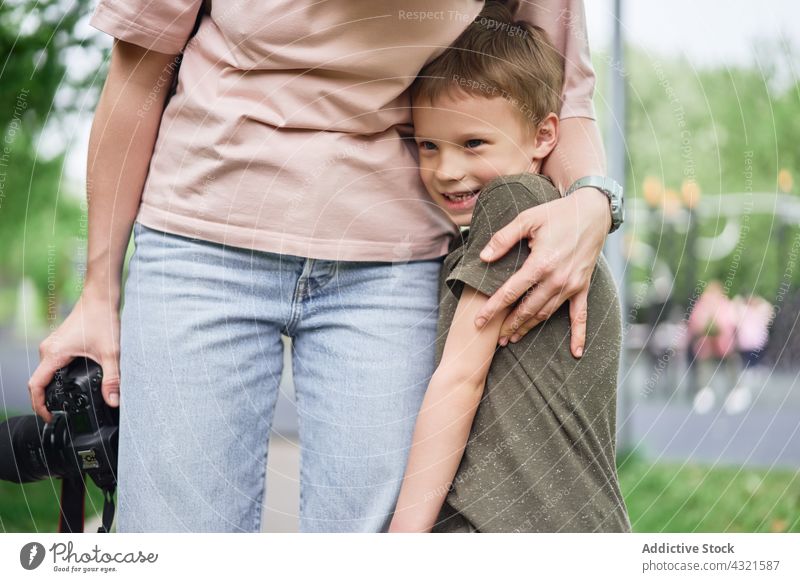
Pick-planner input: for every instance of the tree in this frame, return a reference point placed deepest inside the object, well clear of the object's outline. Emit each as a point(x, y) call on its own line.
point(730, 129)
point(40, 222)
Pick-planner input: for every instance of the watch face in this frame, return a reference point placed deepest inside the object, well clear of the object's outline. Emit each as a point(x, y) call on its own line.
point(615, 194)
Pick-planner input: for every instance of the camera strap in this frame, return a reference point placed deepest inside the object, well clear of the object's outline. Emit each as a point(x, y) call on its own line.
point(73, 504)
point(108, 510)
point(73, 497)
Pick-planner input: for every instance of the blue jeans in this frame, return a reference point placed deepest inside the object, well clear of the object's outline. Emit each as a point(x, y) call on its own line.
point(201, 360)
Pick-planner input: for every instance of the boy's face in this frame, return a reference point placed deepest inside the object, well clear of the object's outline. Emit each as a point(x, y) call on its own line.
point(465, 141)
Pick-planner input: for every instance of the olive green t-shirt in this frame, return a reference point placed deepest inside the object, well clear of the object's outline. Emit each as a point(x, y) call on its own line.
point(541, 452)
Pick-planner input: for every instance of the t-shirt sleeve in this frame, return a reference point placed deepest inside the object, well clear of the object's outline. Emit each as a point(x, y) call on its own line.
point(564, 21)
point(159, 25)
point(496, 206)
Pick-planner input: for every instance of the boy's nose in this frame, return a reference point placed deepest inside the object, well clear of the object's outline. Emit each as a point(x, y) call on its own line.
point(449, 170)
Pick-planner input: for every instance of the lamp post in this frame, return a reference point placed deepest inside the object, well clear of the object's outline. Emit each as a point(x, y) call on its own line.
point(615, 145)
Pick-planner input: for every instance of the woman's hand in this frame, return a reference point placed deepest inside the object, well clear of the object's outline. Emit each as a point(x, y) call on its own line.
point(91, 330)
point(565, 237)
point(121, 143)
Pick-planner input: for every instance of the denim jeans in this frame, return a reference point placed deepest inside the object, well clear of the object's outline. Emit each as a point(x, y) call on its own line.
point(201, 361)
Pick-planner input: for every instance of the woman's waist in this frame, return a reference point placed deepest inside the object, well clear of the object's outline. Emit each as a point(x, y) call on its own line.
point(368, 219)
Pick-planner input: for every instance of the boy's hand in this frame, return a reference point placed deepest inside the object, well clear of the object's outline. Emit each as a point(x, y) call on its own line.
point(565, 237)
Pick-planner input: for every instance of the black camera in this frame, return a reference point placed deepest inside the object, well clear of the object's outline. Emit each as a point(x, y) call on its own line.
point(82, 438)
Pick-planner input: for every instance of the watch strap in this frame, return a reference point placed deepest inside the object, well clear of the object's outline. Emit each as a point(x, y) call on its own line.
point(613, 191)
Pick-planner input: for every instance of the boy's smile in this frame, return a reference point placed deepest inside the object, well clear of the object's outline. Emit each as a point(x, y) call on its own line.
point(465, 141)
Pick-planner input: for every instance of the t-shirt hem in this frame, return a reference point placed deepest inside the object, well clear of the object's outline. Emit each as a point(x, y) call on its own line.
point(287, 243)
point(106, 20)
point(481, 282)
point(578, 108)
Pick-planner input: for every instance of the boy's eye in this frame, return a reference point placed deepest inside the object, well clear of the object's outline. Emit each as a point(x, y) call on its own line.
point(473, 143)
point(427, 145)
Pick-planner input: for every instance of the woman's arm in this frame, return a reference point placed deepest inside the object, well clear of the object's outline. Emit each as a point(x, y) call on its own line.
point(579, 152)
point(445, 418)
point(566, 235)
point(121, 143)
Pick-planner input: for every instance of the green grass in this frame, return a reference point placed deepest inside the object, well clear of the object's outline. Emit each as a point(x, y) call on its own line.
point(33, 507)
point(676, 497)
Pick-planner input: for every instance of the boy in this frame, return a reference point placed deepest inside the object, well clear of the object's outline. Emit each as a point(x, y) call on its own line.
point(540, 454)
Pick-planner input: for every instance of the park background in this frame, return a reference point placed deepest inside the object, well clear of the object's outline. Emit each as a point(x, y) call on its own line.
point(699, 103)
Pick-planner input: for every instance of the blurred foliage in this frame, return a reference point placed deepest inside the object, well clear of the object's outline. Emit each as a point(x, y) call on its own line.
point(727, 130)
point(41, 87)
point(727, 111)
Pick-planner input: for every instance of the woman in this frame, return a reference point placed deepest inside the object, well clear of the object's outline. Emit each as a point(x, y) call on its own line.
point(273, 194)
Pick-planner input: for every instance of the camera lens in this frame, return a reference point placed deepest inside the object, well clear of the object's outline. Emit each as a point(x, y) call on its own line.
point(28, 454)
point(81, 438)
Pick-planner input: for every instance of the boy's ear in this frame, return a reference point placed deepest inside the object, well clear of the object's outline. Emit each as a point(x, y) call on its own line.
point(546, 136)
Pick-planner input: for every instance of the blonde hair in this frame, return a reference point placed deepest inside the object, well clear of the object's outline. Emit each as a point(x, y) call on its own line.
point(497, 56)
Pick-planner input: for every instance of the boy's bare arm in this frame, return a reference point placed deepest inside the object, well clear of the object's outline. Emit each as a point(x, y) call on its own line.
point(445, 418)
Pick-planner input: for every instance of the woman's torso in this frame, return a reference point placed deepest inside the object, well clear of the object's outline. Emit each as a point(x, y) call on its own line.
point(285, 131)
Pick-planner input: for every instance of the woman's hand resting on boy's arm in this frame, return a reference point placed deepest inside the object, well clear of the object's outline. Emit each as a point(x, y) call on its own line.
point(566, 237)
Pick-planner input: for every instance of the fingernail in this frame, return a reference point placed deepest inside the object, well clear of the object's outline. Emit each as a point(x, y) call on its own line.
point(515, 338)
point(480, 322)
point(579, 351)
point(113, 399)
point(503, 341)
point(487, 253)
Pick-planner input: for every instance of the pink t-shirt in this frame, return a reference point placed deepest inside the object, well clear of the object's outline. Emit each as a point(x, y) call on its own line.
point(284, 134)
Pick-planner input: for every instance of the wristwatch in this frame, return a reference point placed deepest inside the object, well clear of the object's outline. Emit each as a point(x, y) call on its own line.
point(611, 189)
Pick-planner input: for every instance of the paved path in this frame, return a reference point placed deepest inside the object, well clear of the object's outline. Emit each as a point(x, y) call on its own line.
point(283, 486)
